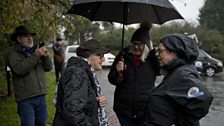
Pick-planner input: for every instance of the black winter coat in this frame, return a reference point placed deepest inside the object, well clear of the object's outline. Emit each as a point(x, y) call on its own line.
point(76, 97)
point(181, 99)
point(131, 94)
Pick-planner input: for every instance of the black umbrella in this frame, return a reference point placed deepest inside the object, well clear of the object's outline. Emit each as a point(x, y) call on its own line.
point(125, 11)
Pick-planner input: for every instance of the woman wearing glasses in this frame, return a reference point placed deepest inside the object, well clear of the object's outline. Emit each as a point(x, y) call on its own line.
point(181, 98)
point(134, 73)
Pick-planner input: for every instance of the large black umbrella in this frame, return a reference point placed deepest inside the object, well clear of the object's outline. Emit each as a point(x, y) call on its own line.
point(126, 11)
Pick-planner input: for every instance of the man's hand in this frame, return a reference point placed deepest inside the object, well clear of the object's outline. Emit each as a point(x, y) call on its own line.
point(41, 52)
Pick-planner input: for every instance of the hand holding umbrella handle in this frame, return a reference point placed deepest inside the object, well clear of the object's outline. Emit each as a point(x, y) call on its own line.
point(122, 58)
point(121, 67)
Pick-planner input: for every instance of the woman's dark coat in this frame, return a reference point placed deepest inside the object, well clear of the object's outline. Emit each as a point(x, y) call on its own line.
point(76, 98)
point(181, 98)
point(175, 101)
point(131, 94)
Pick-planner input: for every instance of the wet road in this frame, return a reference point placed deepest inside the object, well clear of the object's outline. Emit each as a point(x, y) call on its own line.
point(216, 113)
point(215, 84)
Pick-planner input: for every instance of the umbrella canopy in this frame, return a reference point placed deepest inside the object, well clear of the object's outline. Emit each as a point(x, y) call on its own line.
point(125, 11)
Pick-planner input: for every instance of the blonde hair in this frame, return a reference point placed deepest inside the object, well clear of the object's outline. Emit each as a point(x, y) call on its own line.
point(145, 53)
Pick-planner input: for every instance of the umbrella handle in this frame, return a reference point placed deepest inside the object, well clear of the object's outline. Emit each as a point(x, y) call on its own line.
point(122, 59)
point(121, 73)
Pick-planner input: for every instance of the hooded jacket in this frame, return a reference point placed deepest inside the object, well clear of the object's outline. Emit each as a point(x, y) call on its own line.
point(76, 96)
point(181, 98)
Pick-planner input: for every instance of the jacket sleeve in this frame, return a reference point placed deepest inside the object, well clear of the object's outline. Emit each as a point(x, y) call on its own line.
point(75, 95)
point(113, 75)
point(193, 97)
point(21, 65)
point(47, 64)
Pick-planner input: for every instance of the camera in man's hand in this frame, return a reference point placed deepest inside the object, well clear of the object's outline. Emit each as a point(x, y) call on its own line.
point(41, 44)
point(42, 51)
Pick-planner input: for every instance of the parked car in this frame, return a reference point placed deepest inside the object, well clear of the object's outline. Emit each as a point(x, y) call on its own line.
point(109, 59)
point(71, 51)
point(207, 64)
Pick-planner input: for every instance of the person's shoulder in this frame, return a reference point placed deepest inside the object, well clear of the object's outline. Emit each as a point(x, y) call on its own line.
point(11, 50)
point(54, 44)
point(185, 71)
point(179, 70)
point(73, 71)
point(185, 67)
point(76, 63)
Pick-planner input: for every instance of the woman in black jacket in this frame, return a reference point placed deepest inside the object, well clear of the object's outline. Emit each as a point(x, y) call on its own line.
point(79, 97)
point(134, 73)
point(182, 98)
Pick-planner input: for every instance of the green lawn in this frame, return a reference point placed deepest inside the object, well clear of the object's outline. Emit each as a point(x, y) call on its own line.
point(8, 111)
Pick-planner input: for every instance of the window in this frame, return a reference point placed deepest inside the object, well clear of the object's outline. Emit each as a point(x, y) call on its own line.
point(72, 50)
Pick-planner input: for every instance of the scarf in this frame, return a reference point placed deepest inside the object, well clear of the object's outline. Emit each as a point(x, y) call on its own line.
point(137, 61)
point(102, 114)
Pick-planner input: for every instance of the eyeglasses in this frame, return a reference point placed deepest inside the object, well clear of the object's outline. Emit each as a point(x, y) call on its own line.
point(136, 44)
point(160, 51)
point(100, 55)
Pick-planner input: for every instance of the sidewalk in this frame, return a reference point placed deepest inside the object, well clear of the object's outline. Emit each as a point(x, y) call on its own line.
point(112, 118)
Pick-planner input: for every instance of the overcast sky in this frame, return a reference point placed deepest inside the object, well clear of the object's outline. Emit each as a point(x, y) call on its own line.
point(189, 9)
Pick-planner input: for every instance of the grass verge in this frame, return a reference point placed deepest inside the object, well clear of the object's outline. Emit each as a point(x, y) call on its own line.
point(8, 110)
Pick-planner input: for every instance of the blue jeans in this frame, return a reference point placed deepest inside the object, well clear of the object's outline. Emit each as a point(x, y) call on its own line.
point(125, 121)
point(33, 111)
